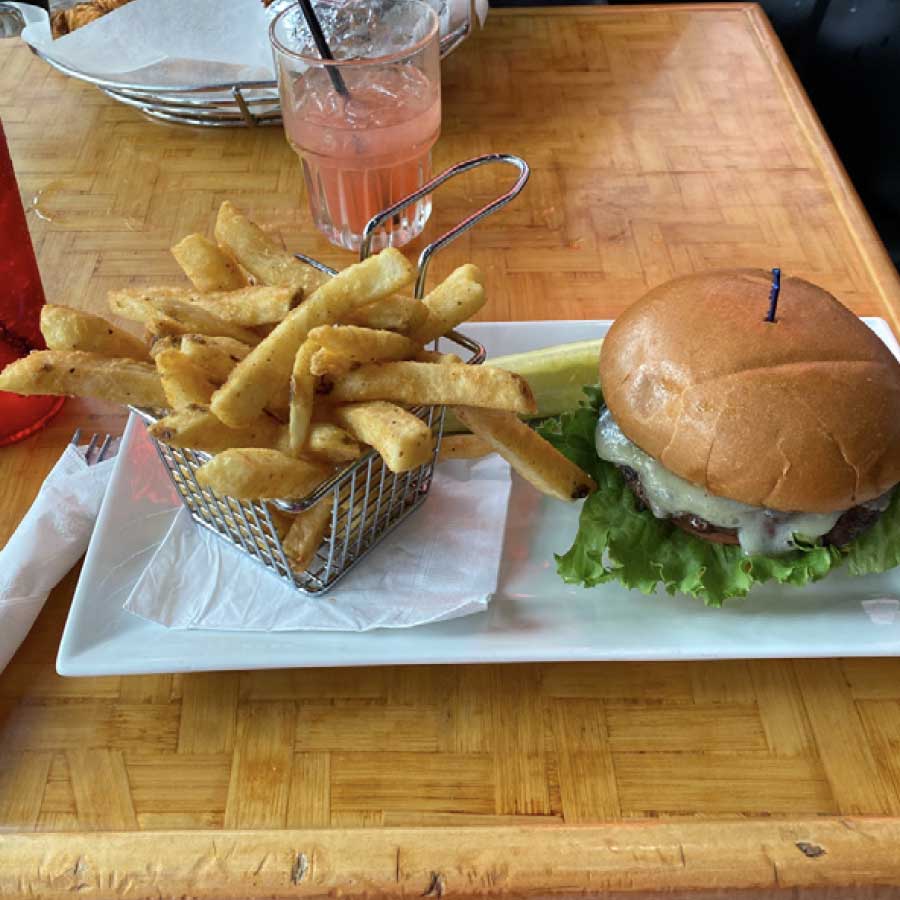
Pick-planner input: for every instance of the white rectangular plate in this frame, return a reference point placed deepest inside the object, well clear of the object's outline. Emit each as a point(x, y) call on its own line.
point(534, 616)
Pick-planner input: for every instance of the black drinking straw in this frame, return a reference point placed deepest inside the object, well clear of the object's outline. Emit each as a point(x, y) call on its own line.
point(773, 294)
point(318, 36)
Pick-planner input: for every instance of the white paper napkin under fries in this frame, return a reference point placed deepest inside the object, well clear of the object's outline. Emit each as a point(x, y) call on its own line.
point(441, 563)
point(48, 542)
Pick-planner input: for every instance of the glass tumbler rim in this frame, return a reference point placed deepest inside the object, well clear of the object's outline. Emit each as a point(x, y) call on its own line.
point(318, 61)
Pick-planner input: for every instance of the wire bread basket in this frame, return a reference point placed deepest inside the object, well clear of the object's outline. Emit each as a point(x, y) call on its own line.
point(367, 500)
point(213, 104)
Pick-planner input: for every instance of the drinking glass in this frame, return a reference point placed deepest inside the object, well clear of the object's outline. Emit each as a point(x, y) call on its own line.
point(21, 299)
point(364, 123)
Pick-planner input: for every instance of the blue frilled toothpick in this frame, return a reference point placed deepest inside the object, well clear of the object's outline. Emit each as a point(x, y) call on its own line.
point(773, 294)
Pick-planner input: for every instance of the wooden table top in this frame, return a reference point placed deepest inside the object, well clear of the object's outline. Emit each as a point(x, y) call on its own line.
point(662, 141)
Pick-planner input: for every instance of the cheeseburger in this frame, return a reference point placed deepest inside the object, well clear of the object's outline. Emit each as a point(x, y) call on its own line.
point(772, 440)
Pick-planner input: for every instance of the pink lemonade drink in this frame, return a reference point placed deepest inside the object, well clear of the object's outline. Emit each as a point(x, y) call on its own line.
point(365, 142)
point(364, 153)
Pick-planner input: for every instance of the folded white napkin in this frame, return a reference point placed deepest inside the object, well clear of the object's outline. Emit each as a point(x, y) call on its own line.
point(50, 539)
point(441, 563)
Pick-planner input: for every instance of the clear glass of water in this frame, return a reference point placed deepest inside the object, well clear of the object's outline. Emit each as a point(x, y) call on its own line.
point(363, 124)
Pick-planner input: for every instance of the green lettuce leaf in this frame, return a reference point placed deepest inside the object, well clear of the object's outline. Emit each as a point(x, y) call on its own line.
point(618, 541)
point(877, 549)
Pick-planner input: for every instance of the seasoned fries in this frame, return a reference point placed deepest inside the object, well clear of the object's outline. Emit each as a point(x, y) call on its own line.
point(463, 446)
point(395, 313)
point(255, 379)
point(75, 373)
point(432, 356)
point(453, 301)
point(250, 474)
point(159, 345)
point(261, 256)
point(303, 387)
point(217, 356)
point(403, 440)
point(327, 362)
point(71, 329)
point(363, 345)
point(247, 306)
point(287, 376)
point(535, 459)
point(184, 382)
point(195, 427)
point(306, 535)
point(424, 384)
point(170, 315)
point(345, 346)
point(331, 443)
point(208, 268)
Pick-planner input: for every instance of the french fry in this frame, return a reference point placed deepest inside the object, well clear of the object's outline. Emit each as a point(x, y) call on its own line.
point(254, 473)
point(395, 313)
point(422, 384)
point(535, 459)
point(71, 329)
point(281, 521)
point(208, 268)
point(165, 315)
point(164, 325)
point(432, 356)
point(217, 356)
point(76, 373)
point(162, 344)
point(463, 446)
point(303, 388)
point(363, 345)
point(331, 443)
point(259, 377)
point(280, 404)
point(306, 535)
point(248, 306)
point(197, 428)
point(129, 304)
point(261, 256)
point(403, 440)
point(327, 362)
point(454, 300)
point(184, 382)
point(345, 346)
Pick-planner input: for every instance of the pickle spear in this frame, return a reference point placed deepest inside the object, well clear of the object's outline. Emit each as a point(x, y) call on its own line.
point(557, 376)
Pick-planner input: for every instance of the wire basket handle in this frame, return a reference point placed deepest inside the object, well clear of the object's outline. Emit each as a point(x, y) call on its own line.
point(425, 257)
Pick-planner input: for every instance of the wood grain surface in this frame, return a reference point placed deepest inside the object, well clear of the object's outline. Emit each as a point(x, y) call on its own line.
point(662, 141)
point(802, 859)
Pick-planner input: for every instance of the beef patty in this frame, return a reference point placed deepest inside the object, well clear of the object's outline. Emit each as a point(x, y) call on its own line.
point(854, 522)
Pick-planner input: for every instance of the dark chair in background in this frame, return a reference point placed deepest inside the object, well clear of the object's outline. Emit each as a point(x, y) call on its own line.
point(847, 54)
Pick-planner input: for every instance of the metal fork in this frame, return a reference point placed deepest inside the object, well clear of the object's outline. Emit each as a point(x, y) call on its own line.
point(97, 450)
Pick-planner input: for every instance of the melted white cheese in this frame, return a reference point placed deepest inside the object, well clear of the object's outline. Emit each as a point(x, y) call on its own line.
point(759, 530)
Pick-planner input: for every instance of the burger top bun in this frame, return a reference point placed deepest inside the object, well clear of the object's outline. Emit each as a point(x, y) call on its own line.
point(802, 414)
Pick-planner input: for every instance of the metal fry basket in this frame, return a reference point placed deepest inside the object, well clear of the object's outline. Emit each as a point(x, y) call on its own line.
point(367, 500)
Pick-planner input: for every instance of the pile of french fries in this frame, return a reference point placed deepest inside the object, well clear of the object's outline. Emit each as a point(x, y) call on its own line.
point(285, 374)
